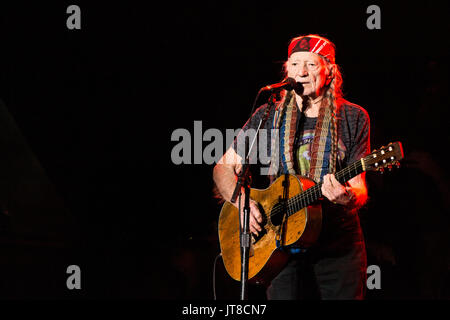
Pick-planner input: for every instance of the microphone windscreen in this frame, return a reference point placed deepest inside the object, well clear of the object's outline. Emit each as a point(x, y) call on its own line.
point(291, 82)
point(297, 86)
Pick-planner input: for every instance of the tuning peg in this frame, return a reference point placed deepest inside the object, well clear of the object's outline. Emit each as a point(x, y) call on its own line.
point(397, 164)
point(389, 167)
point(381, 170)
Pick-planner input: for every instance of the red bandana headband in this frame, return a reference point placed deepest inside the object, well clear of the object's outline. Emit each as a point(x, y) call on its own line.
point(312, 44)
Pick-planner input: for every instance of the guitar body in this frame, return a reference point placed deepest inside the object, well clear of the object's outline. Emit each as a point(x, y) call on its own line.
point(266, 258)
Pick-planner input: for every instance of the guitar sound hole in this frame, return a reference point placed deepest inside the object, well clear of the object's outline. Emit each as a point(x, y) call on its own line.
point(277, 214)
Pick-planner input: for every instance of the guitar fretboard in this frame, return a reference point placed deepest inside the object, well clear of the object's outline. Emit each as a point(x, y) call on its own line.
point(312, 194)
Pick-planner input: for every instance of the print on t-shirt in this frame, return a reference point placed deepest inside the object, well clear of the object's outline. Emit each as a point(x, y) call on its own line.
point(304, 151)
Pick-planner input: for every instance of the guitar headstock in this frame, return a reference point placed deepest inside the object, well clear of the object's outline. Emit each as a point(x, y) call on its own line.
point(385, 157)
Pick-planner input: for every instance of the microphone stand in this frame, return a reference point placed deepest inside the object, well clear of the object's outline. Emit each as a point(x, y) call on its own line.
point(244, 180)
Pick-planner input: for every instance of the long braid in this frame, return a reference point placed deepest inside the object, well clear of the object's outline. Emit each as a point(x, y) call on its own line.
point(280, 112)
point(334, 134)
point(335, 95)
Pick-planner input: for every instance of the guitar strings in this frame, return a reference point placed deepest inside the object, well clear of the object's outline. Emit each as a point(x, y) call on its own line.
point(311, 192)
point(303, 197)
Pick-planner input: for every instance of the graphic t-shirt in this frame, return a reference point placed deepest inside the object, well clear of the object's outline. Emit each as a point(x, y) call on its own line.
point(304, 140)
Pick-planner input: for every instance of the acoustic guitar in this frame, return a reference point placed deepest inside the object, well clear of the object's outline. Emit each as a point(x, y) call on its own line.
point(291, 214)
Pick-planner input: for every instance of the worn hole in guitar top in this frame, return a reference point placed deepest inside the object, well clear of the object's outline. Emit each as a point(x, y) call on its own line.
point(276, 219)
point(277, 214)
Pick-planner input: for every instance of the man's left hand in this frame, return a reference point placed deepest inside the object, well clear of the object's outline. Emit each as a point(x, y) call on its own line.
point(336, 192)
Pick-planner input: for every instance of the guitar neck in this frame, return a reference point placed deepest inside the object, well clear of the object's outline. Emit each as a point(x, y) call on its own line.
point(312, 194)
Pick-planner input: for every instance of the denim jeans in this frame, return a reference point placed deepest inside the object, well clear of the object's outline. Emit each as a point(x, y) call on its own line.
point(315, 275)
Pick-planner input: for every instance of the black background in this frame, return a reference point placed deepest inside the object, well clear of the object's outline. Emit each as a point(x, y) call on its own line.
point(87, 175)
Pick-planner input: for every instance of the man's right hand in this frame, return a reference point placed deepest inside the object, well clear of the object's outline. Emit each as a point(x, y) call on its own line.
point(255, 217)
point(224, 175)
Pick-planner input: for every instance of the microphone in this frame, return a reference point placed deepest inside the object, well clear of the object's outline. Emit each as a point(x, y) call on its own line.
point(288, 84)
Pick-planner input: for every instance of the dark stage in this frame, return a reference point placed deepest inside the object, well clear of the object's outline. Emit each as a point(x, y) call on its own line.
point(87, 118)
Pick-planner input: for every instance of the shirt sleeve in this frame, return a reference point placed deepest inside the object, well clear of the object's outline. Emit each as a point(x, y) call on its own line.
point(360, 125)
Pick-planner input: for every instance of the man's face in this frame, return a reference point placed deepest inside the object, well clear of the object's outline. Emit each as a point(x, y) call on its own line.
point(310, 70)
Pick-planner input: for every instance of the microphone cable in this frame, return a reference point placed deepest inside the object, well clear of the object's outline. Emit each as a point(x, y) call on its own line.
point(214, 275)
